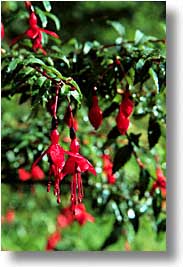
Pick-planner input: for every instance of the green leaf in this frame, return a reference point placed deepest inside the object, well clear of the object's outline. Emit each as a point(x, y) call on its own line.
point(75, 85)
point(76, 96)
point(13, 64)
point(154, 76)
point(42, 17)
point(55, 19)
point(138, 37)
point(47, 5)
point(117, 26)
point(87, 47)
point(122, 156)
point(154, 132)
point(65, 89)
point(41, 80)
point(33, 60)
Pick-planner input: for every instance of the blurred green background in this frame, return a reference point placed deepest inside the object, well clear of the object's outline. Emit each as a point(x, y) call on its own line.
point(35, 209)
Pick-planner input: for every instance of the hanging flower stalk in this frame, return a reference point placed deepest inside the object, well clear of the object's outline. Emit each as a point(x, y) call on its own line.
point(54, 152)
point(34, 32)
point(76, 166)
point(125, 110)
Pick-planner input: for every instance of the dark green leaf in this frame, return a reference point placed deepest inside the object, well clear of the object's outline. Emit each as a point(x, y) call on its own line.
point(135, 222)
point(161, 227)
point(47, 5)
point(135, 138)
point(156, 204)
point(122, 156)
point(114, 133)
point(110, 109)
point(144, 179)
point(154, 132)
point(113, 236)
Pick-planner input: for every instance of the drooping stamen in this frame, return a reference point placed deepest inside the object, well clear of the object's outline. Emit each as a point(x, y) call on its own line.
point(80, 187)
point(73, 193)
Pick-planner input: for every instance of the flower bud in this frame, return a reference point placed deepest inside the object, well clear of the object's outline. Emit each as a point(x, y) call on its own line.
point(127, 105)
point(95, 113)
point(122, 122)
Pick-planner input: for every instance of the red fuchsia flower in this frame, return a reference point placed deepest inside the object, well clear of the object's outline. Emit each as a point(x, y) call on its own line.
point(111, 179)
point(95, 113)
point(36, 173)
point(56, 159)
point(23, 174)
point(2, 31)
point(75, 166)
point(81, 215)
point(65, 218)
point(125, 110)
point(127, 104)
point(122, 122)
point(10, 216)
point(160, 182)
point(34, 32)
point(107, 169)
point(53, 240)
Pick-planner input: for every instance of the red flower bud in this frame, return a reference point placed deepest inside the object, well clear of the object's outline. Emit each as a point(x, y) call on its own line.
point(23, 174)
point(95, 113)
point(53, 240)
point(10, 216)
point(122, 122)
point(127, 105)
point(111, 179)
point(37, 173)
point(2, 31)
point(68, 117)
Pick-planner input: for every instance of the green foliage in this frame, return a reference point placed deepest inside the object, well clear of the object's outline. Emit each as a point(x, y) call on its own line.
point(125, 212)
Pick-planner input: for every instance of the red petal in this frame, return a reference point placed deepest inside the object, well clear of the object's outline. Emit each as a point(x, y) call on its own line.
point(23, 174)
point(95, 114)
point(37, 173)
point(50, 33)
point(122, 122)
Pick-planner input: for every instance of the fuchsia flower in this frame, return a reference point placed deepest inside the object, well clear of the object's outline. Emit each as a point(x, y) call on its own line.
point(55, 155)
point(107, 169)
point(53, 240)
point(81, 215)
point(160, 182)
point(67, 217)
point(75, 166)
point(10, 216)
point(125, 110)
point(95, 113)
point(36, 173)
point(34, 32)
